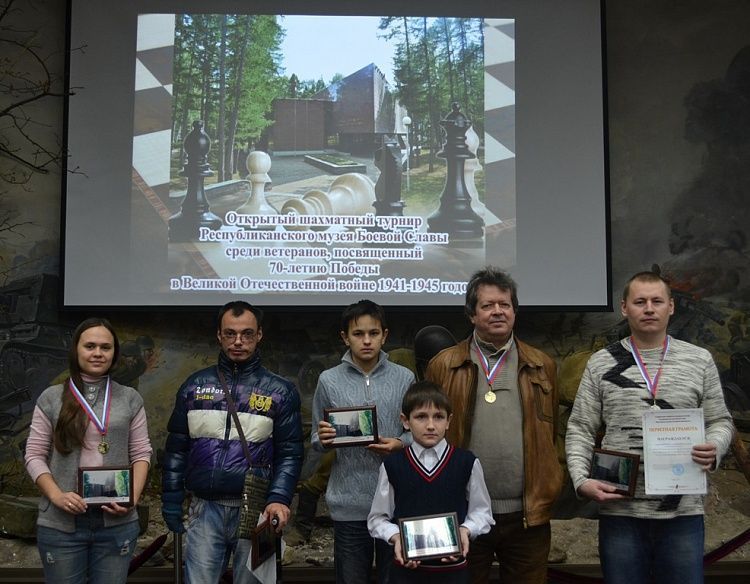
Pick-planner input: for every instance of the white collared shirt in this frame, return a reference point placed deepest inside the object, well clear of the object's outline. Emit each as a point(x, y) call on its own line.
point(479, 514)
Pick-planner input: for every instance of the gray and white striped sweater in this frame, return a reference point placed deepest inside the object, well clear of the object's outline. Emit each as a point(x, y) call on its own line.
point(613, 393)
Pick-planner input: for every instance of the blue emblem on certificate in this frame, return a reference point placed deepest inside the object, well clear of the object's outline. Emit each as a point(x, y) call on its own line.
point(678, 469)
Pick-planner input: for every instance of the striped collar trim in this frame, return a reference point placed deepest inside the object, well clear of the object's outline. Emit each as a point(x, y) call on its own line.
point(429, 474)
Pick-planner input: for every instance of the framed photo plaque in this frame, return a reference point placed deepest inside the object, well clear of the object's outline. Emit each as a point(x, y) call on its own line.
point(430, 537)
point(102, 485)
point(357, 426)
point(619, 469)
point(262, 543)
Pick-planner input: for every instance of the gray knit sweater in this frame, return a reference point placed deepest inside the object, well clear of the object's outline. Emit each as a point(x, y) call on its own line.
point(354, 475)
point(613, 393)
point(126, 403)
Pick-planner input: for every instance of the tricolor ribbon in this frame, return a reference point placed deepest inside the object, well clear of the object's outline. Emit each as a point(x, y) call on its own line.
point(651, 384)
point(490, 374)
point(102, 424)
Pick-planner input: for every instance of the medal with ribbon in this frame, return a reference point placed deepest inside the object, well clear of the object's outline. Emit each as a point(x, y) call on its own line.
point(491, 372)
point(651, 384)
point(101, 424)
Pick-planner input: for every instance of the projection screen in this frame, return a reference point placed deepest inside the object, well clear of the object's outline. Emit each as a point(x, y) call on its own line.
point(340, 151)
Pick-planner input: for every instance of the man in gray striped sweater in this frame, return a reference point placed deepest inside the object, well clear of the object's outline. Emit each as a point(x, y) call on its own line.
point(646, 536)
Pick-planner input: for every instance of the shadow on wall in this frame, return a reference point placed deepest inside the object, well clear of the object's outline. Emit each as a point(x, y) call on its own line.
point(710, 226)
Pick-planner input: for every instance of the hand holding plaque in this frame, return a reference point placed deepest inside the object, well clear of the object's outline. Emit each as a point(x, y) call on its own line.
point(355, 426)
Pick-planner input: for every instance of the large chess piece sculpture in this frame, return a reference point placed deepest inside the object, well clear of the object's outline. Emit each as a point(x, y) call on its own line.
point(258, 165)
point(349, 194)
point(388, 187)
point(194, 212)
point(455, 215)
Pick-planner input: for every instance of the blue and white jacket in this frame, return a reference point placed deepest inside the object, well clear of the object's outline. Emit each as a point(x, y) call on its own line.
point(203, 452)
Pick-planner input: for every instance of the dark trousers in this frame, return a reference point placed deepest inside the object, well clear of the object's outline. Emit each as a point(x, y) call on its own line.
point(401, 575)
point(353, 552)
point(521, 551)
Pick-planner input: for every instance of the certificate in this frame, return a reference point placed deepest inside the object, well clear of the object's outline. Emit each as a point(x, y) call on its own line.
point(668, 438)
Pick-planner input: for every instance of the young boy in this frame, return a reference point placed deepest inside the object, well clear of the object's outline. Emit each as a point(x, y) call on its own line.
point(364, 377)
point(430, 477)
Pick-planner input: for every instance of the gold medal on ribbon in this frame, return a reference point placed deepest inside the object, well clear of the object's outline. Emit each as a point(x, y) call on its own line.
point(100, 423)
point(490, 397)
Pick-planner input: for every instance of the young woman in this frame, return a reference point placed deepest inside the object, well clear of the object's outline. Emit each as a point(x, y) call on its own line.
point(88, 421)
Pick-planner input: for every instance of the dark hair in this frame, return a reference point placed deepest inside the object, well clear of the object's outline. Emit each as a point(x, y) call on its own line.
point(238, 308)
point(362, 308)
point(72, 421)
point(489, 276)
point(428, 342)
point(651, 277)
point(422, 393)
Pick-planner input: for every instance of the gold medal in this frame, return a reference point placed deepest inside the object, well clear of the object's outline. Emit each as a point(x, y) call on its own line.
point(103, 447)
point(490, 397)
point(654, 407)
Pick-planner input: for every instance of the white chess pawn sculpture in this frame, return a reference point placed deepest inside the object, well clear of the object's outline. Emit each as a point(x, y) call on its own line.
point(258, 165)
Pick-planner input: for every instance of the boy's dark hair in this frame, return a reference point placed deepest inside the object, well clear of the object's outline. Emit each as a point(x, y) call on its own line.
point(362, 308)
point(238, 307)
point(422, 393)
point(490, 276)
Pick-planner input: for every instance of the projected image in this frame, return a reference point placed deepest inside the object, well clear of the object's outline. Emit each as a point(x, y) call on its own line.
point(323, 155)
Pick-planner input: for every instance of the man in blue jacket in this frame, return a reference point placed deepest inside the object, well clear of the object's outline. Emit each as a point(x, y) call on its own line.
point(204, 454)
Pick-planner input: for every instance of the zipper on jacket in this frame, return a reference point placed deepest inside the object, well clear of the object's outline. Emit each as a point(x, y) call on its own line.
point(228, 425)
point(235, 378)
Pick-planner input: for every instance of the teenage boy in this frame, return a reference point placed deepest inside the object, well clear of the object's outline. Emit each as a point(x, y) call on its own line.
point(646, 538)
point(427, 478)
point(364, 377)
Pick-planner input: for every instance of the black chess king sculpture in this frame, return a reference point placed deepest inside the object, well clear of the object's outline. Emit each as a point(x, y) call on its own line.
point(194, 213)
point(455, 215)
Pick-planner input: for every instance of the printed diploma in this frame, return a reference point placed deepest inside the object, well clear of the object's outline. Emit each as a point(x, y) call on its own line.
point(668, 438)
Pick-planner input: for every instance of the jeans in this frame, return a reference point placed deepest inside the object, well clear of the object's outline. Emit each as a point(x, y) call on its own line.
point(92, 554)
point(210, 540)
point(521, 551)
point(663, 551)
point(353, 551)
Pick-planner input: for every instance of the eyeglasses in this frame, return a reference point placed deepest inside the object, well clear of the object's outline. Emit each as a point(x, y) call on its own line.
point(246, 336)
